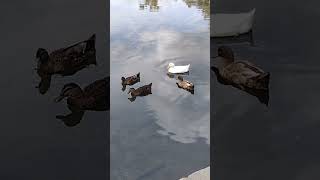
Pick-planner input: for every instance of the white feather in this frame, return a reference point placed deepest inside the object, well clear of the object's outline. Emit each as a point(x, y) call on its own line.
point(178, 69)
point(223, 25)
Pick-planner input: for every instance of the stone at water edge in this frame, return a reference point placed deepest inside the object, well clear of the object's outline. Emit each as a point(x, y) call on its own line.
point(203, 174)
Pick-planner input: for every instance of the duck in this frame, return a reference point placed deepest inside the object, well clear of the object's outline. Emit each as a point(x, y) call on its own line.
point(64, 61)
point(131, 80)
point(242, 74)
point(141, 91)
point(173, 69)
point(94, 97)
point(235, 24)
point(183, 84)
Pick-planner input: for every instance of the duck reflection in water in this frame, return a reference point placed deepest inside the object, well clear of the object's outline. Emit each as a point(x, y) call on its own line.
point(141, 91)
point(65, 61)
point(170, 75)
point(94, 97)
point(152, 4)
point(242, 75)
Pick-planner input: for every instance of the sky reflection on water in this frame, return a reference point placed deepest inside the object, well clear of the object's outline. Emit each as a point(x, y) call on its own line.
point(145, 41)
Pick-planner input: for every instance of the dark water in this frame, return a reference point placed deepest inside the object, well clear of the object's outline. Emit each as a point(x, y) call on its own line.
point(252, 141)
point(34, 144)
point(164, 135)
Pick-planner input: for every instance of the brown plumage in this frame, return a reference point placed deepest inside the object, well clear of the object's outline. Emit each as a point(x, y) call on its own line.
point(94, 97)
point(65, 61)
point(183, 84)
point(242, 75)
point(141, 91)
point(131, 80)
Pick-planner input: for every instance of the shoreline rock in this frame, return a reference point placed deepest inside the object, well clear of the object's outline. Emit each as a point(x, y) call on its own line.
point(203, 174)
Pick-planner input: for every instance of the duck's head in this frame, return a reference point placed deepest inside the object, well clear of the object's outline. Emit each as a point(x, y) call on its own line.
point(42, 55)
point(69, 90)
point(226, 52)
point(171, 65)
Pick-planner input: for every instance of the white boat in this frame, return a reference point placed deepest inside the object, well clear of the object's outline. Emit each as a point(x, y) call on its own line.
point(173, 69)
point(224, 25)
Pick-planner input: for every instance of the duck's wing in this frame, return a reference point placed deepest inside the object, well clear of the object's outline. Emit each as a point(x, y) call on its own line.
point(243, 69)
point(239, 72)
point(97, 88)
point(180, 69)
point(190, 83)
point(252, 66)
point(58, 53)
point(62, 55)
point(98, 95)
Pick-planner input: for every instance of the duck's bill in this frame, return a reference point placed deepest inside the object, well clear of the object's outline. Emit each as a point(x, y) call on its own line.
point(58, 99)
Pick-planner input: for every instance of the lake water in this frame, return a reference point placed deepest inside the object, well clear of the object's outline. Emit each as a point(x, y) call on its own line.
point(253, 141)
point(164, 135)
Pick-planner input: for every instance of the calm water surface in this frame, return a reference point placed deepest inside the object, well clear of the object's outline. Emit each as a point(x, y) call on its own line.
point(164, 135)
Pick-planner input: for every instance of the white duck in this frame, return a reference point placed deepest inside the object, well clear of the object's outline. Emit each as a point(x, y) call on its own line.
point(224, 25)
point(173, 69)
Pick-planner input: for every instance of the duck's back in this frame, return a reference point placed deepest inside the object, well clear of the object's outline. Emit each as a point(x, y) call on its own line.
point(179, 69)
point(67, 61)
point(241, 72)
point(185, 84)
point(97, 95)
point(97, 88)
point(57, 60)
point(245, 74)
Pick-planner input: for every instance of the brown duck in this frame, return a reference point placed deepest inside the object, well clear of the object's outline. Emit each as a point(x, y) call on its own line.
point(242, 75)
point(183, 84)
point(130, 80)
point(65, 61)
point(141, 91)
point(94, 97)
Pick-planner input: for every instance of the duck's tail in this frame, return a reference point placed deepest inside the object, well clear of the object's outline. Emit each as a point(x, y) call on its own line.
point(91, 49)
point(91, 43)
point(263, 80)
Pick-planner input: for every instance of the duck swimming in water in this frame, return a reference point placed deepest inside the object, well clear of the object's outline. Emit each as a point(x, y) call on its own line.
point(65, 61)
point(94, 97)
point(183, 84)
point(242, 74)
point(141, 91)
point(173, 69)
point(130, 80)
